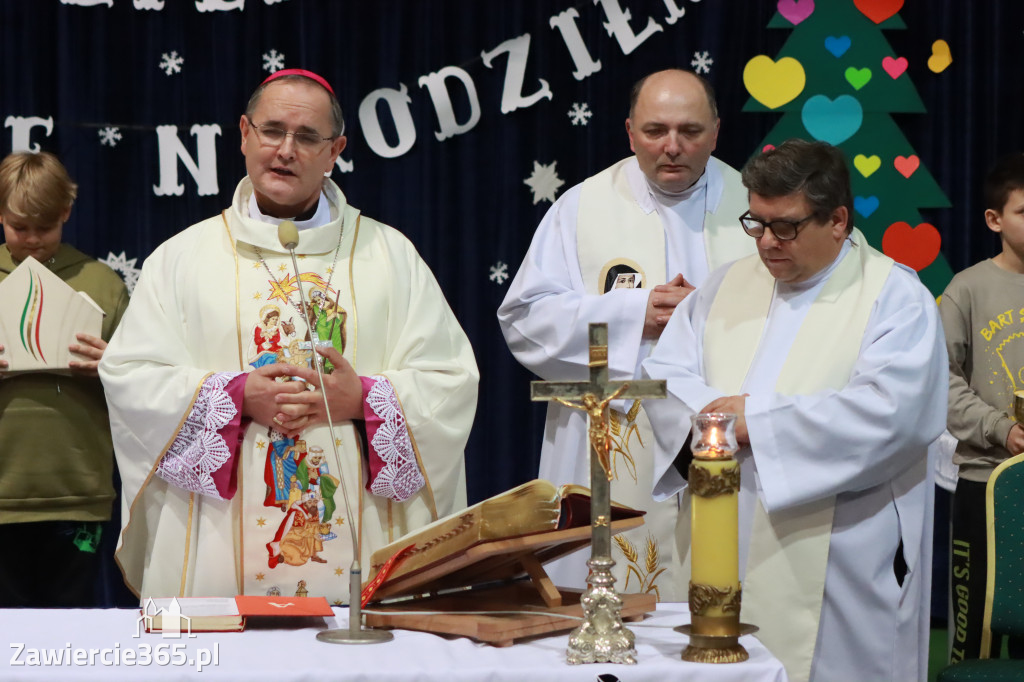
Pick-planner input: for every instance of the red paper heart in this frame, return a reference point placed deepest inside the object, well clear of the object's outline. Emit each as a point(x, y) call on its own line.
point(767, 148)
point(915, 247)
point(878, 10)
point(894, 67)
point(906, 165)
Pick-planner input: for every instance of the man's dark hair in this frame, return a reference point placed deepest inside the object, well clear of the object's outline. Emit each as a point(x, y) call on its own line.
point(634, 94)
point(1006, 176)
point(817, 169)
point(337, 119)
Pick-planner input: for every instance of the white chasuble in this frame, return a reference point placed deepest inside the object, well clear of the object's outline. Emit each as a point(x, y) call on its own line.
point(220, 298)
point(788, 553)
point(294, 524)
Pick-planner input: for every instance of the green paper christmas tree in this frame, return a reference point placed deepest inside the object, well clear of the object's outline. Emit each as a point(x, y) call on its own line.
point(837, 79)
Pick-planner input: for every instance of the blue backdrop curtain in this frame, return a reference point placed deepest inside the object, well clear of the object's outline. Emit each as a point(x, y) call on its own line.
point(103, 77)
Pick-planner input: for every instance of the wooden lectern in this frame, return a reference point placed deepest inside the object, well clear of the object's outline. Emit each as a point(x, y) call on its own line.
point(476, 589)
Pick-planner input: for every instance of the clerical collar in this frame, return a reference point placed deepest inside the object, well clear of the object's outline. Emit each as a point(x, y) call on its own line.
point(672, 198)
point(818, 277)
point(321, 216)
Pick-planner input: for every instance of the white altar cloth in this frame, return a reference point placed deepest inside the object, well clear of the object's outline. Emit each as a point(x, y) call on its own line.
point(288, 654)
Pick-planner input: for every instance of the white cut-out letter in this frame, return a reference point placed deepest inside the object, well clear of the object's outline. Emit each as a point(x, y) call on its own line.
point(219, 5)
point(149, 4)
point(618, 26)
point(397, 102)
point(21, 131)
point(675, 12)
point(88, 3)
point(566, 25)
point(343, 165)
point(438, 89)
point(512, 97)
point(204, 172)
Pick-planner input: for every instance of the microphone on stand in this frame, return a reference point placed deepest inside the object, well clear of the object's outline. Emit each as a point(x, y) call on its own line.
point(288, 235)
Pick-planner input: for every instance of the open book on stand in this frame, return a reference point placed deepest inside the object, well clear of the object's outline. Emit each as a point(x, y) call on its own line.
point(531, 508)
point(490, 547)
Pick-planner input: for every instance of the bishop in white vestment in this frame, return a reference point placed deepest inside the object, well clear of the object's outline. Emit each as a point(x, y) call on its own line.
point(231, 483)
point(597, 257)
point(833, 358)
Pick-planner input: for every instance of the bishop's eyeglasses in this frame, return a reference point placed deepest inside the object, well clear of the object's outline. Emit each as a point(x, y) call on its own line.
point(272, 136)
point(784, 230)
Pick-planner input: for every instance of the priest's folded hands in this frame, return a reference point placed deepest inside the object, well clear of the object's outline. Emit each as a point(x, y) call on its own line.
point(344, 391)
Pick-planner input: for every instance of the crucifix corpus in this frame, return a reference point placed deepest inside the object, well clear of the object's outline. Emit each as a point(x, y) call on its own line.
point(601, 638)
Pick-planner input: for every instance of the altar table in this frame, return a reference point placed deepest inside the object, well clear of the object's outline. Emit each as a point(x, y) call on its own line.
point(101, 644)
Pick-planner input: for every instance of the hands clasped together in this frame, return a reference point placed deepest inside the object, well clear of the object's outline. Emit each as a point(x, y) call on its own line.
point(663, 300)
point(292, 406)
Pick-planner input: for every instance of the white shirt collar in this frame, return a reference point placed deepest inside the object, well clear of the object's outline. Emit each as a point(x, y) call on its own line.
point(322, 216)
point(646, 199)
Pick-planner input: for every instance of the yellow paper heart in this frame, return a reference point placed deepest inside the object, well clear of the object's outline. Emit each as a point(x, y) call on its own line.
point(941, 56)
point(774, 83)
point(867, 164)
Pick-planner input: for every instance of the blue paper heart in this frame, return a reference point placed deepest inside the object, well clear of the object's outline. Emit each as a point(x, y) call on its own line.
point(865, 205)
point(832, 121)
point(838, 46)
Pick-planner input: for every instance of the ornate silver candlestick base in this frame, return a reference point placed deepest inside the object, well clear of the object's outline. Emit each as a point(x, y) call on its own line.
point(601, 638)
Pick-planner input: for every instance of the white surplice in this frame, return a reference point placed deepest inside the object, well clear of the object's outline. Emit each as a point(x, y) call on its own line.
point(194, 322)
point(553, 298)
point(865, 445)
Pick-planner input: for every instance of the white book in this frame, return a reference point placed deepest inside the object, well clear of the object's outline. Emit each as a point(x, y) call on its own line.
point(39, 317)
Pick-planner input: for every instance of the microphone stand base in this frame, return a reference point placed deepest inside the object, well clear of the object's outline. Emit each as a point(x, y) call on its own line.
point(346, 636)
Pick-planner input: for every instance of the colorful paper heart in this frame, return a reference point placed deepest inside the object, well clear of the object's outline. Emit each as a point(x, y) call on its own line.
point(865, 205)
point(774, 83)
point(894, 67)
point(858, 78)
point(878, 10)
point(796, 11)
point(838, 45)
point(833, 121)
point(767, 148)
point(906, 165)
point(867, 165)
point(941, 56)
point(915, 247)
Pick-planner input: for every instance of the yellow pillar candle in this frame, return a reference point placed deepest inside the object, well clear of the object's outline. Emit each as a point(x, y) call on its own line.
point(714, 532)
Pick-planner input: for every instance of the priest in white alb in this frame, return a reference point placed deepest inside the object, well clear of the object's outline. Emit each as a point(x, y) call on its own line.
point(231, 483)
point(833, 358)
point(625, 247)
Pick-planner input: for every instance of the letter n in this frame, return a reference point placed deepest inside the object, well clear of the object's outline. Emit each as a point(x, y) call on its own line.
point(204, 172)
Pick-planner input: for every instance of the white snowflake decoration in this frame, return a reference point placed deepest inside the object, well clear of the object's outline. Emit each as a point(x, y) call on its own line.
point(110, 136)
point(702, 62)
point(125, 266)
point(544, 182)
point(171, 63)
point(580, 114)
point(499, 272)
point(273, 61)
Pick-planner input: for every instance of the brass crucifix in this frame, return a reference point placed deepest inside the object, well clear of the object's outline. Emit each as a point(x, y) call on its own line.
point(601, 637)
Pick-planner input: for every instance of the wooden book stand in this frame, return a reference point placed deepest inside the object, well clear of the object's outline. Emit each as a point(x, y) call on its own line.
point(491, 577)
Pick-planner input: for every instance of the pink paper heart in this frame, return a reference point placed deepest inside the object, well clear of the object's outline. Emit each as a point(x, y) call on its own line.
point(796, 11)
point(767, 148)
point(906, 165)
point(894, 67)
